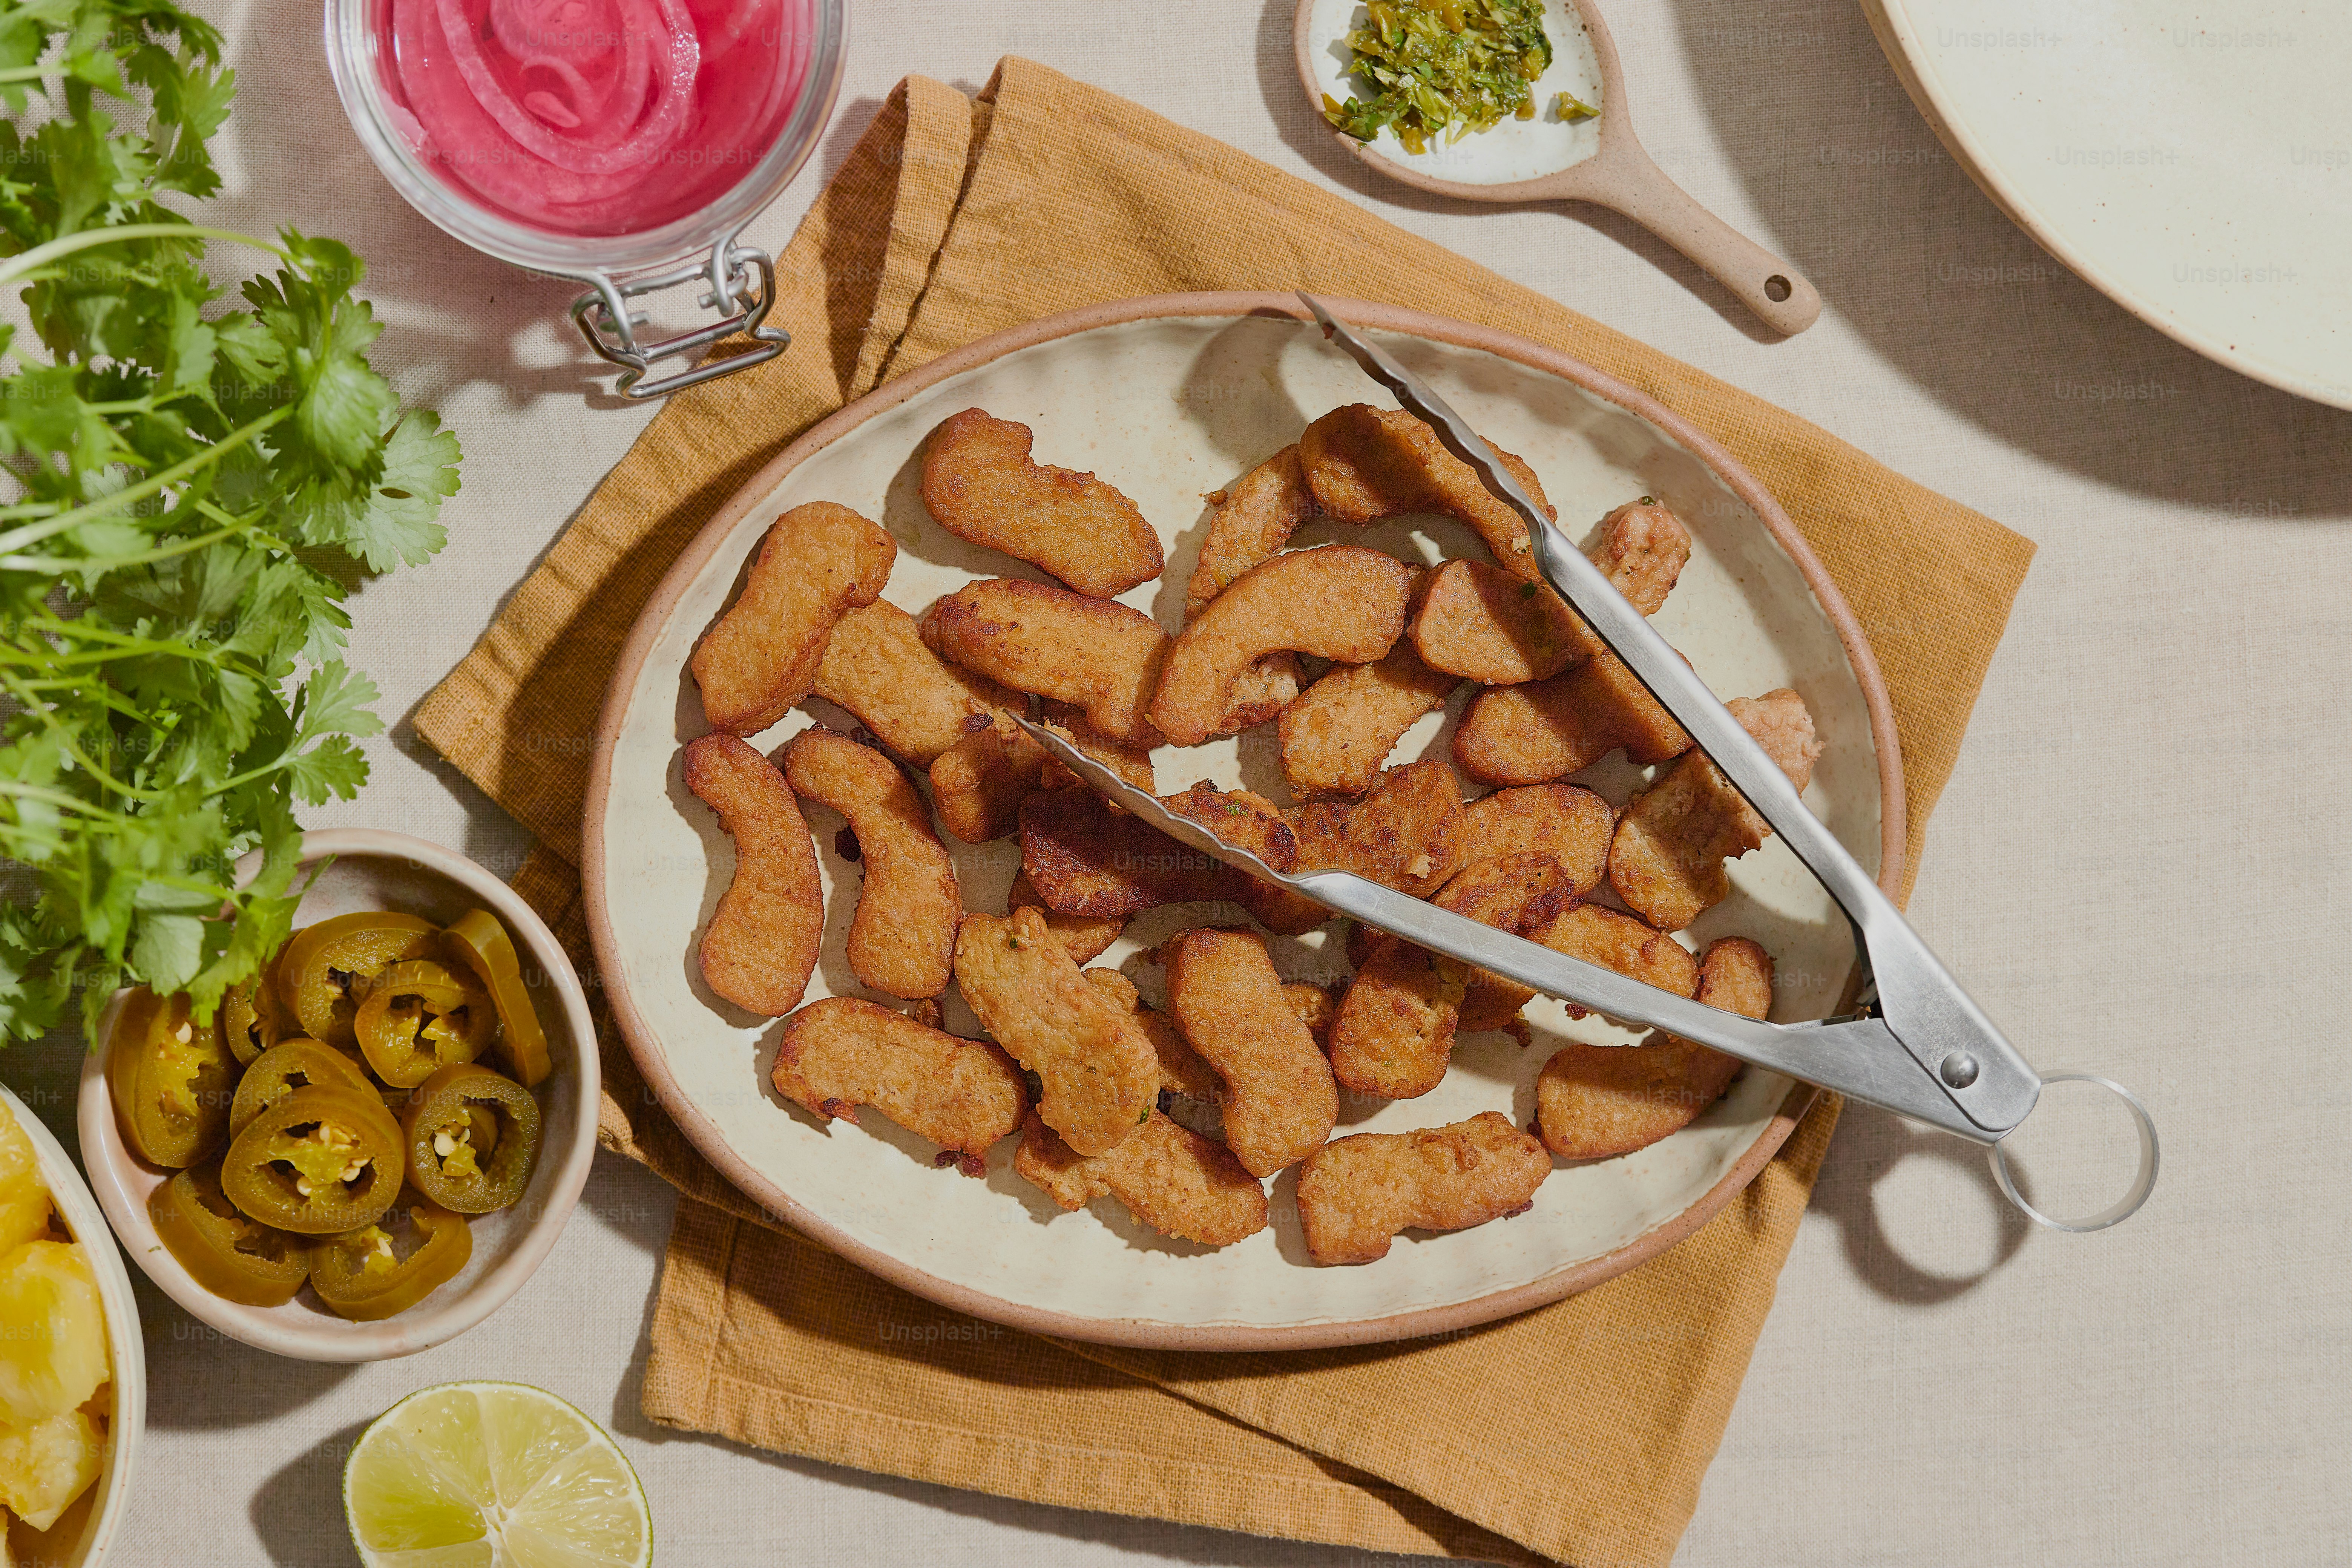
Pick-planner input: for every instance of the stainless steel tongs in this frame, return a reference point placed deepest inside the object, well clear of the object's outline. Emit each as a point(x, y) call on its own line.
point(1919, 1046)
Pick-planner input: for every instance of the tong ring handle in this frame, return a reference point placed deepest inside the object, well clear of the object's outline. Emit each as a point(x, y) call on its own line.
point(2143, 1184)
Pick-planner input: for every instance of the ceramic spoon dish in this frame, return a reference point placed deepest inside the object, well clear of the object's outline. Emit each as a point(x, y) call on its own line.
point(1548, 158)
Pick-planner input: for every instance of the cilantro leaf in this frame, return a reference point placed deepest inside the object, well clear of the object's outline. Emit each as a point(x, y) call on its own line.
point(334, 768)
point(342, 411)
point(169, 950)
point(34, 987)
point(247, 349)
point(334, 702)
point(395, 526)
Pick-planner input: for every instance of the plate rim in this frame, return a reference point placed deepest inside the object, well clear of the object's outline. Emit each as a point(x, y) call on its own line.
point(704, 1136)
point(1897, 32)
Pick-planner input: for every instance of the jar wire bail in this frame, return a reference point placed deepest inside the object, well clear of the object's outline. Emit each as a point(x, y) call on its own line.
point(731, 270)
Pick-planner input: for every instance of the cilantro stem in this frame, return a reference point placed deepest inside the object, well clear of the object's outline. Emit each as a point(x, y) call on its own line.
point(249, 524)
point(25, 263)
point(286, 758)
point(252, 774)
point(63, 564)
point(58, 799)
point(67, 744)
point(63, 661)
point(191, 885)
point(47, 528)
point(83, 629)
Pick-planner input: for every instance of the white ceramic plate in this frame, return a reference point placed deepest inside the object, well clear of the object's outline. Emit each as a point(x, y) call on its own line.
point(1168, 399)
point(86, 1530)
point(370, 869)
point(2192, 162)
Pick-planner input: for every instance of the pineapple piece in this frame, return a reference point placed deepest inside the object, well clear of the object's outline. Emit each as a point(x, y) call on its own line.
point(44, 1467)
point(24, 1200)
point(52, 1332)
point(60, 1543)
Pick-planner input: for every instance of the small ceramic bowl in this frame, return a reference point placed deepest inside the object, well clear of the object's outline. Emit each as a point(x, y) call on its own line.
point(100, 1511)
point(368, 869)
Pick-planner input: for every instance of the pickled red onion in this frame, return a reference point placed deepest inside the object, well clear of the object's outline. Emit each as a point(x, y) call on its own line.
point(594, 116)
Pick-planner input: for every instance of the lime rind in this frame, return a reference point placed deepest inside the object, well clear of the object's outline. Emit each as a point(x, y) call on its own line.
point(465, 1554)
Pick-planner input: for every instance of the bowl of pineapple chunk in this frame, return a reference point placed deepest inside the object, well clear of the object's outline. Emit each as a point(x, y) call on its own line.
point(73, 1371)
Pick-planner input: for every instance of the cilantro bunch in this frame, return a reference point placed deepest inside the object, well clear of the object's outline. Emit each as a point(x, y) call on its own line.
point(196, 489)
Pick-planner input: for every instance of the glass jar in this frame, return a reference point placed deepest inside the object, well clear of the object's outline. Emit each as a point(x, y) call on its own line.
point(593, 139)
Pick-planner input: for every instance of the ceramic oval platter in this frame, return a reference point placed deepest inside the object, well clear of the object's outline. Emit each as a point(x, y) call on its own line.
point(2192, 163)
point(1169, 399)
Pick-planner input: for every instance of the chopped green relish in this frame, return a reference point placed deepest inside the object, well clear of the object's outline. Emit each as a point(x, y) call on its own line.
point(1438, 64)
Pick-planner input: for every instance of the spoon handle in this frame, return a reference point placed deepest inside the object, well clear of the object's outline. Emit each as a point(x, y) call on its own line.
point(1635, 185)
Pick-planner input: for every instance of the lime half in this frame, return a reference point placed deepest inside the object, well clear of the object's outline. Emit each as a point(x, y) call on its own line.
point(493, 1475)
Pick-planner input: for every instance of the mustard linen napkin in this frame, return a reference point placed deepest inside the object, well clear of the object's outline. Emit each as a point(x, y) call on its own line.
point(1578, 1433)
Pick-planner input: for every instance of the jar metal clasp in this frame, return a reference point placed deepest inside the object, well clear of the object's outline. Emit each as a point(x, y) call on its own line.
point(743, 287)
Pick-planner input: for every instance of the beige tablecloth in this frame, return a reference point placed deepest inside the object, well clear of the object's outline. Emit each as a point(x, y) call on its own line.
point(2136, 866)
